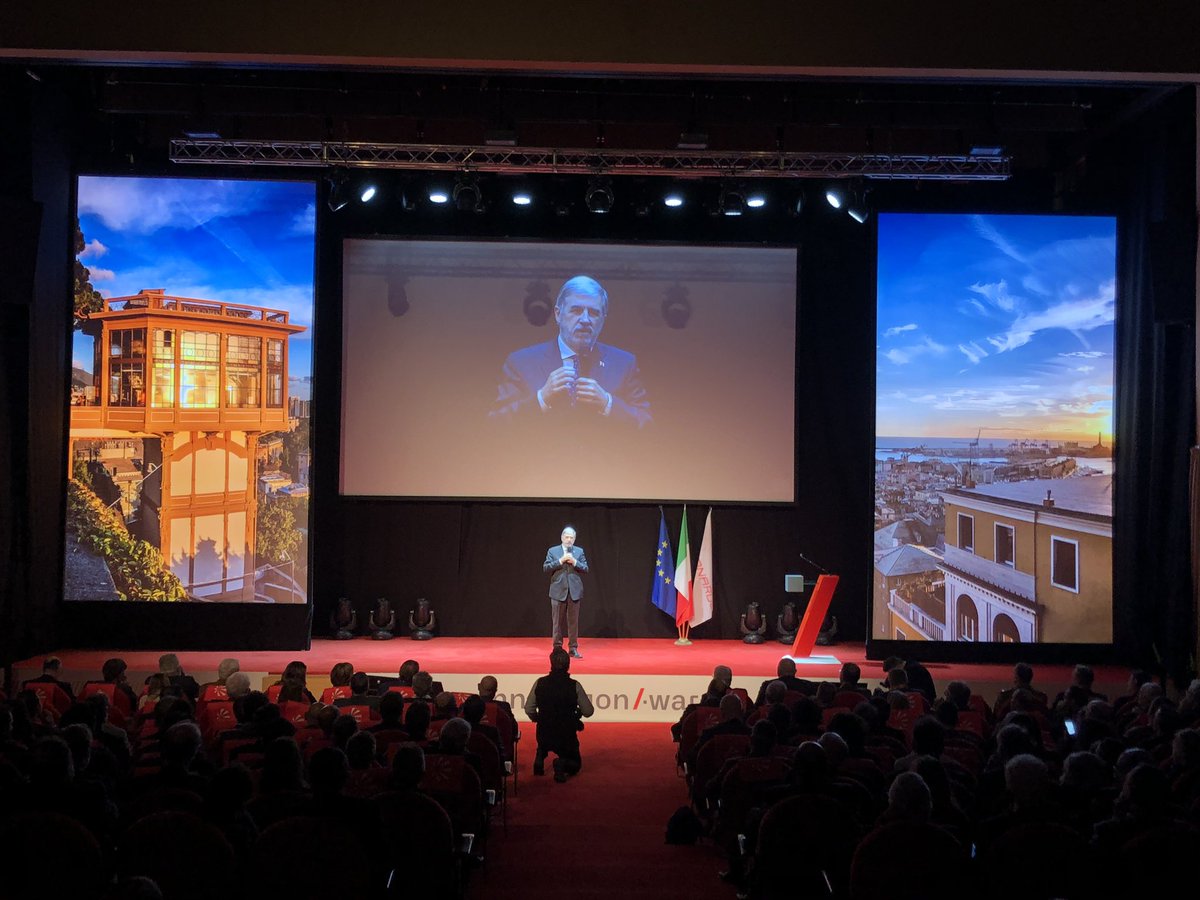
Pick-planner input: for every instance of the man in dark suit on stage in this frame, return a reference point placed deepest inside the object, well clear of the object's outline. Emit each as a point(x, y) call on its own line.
point(565, 562)
point(574, 377)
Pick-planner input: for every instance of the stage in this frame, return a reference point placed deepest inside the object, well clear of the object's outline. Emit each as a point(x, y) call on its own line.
point(630, 679)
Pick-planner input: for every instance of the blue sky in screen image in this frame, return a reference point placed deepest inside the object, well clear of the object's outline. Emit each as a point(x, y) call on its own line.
point(233, 241)
point(998, 325)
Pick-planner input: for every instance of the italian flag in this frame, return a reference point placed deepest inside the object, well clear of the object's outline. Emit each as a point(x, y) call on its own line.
point(683, 577)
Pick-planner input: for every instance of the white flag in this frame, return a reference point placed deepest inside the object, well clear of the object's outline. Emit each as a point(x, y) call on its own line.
point(702, 583)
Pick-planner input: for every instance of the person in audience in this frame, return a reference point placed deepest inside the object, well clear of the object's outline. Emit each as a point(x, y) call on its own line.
point(408, 669)
point(444, 706)
point(416, 720)
point(238, 685)
point(835, 749)
point(408, 766)
point(557, 703)
point(329, 772)
point(732, 721)
point(1080, 692)
point(1022, 681)
point(1143, 806)
point(225, 668)
point(113, 672)
point(806, 721)
point(340, 674)
point(488, 686)
point(52, 674)
point(294, 684)
point(920, 680)
point(361, 751)
point(959, 693)
point(1082, 790)
point(909, 800)
point(945, 811)
point(114, 740)
point(1031, 798)
point(282, 789)
point(180, 746)
point(156, 684)
point(53, 788)
point(717, 688)
point(422, 685)
point(473, 710)
point(344, 728)
point(179, 682)
point(785, 671)
point(391, 713)
point(360, 694)
point(229, 791)
point(849, 679)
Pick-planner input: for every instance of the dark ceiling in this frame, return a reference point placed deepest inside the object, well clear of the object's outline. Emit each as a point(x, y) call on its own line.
point(135, 111)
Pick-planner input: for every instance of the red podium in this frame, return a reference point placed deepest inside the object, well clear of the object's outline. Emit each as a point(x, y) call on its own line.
point(810, 625)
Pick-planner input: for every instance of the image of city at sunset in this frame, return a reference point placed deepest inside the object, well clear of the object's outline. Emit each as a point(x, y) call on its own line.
point(190, 391)
point(994, 452)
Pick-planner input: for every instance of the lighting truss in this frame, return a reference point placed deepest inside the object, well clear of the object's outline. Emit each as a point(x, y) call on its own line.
point(458, 158)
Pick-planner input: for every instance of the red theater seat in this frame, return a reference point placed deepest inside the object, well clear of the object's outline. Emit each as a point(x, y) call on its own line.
point(117, 700)
point(214, 692)
point(294, 711)
point(273, 692)
point(51, 696)
point(335, 693)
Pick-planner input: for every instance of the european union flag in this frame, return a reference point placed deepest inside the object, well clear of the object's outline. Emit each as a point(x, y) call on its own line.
point(664, 570)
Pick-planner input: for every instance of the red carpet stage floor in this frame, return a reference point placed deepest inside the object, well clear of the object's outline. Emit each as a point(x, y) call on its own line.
point(633, 679)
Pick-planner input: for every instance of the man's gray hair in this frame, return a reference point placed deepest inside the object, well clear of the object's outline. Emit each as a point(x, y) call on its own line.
point(582, 286)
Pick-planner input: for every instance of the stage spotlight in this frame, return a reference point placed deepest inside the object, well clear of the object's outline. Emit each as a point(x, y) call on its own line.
point(673, 200)
point(339, 193)
point(756, 201)
point(730, 202)
point(522, 198)
point(797, 206)
point(858, 212)
point(834, 197)
point(438, 195)
point(676, 308)
point(599, 196)
point(538, 303)
point(367, 194)
point(397, 295)
point(467, 196)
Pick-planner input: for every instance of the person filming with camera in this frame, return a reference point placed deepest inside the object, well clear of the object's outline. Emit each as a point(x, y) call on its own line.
point(558, 704)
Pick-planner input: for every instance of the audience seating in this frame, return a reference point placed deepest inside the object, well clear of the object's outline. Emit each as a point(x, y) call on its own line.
point(881, 866)
point(805, 842)
point(421, 846)
point(213, 692)
point(698, 720)
point(340, 692)
point(51, 696)
point(277, 869)
point(187, 857)
point(117, 700)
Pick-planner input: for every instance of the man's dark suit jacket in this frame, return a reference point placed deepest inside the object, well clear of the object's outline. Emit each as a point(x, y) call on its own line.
point(566, 581)
point(615, 370)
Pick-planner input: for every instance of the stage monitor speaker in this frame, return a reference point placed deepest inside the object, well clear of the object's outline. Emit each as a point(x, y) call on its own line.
point(793, 584)
point(1172, 261)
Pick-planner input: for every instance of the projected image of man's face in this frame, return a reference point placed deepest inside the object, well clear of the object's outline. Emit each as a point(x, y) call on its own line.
point(580, 320)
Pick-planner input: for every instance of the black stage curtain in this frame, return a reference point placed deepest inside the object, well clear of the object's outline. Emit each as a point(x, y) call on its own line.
point(1156, 399)
point(34, 192)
